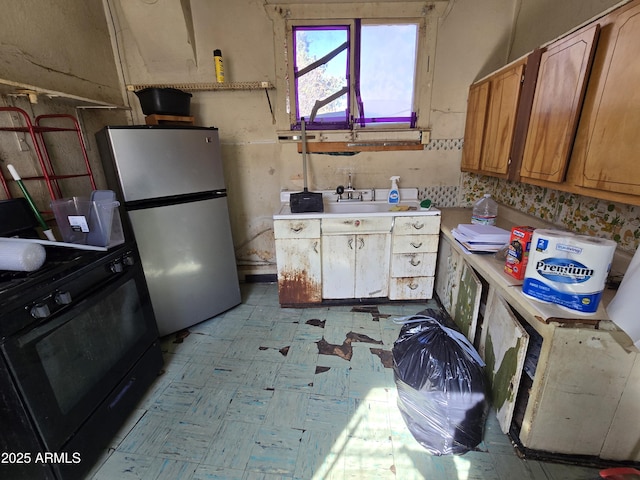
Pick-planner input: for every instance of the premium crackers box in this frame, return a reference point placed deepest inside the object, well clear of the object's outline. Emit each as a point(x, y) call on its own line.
point(518, 252)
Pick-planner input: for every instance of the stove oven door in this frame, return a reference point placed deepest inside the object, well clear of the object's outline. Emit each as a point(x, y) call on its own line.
point(67, 366)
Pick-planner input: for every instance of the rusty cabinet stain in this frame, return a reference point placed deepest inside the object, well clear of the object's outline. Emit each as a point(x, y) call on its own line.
point(298, 261)
point(297, 287)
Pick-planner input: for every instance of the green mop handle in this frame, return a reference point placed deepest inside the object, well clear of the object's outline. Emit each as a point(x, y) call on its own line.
point(18, 180)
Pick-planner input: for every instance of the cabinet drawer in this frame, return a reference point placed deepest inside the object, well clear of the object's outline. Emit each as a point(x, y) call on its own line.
point(429, 225)
point(357, 225)
point(413, 264)
point(296, 228)
point(415, 243)
point(411, 288)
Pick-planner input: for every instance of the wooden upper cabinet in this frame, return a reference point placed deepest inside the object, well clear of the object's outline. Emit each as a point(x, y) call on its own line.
point(605, 154)
point(557, 103)
point(501, 118)
point(474, 126)
point(492, 110)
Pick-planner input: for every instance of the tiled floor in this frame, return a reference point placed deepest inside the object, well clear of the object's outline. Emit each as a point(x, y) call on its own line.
point(247, 396)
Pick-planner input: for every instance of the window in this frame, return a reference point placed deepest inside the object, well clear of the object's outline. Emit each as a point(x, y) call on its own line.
point(354, 74)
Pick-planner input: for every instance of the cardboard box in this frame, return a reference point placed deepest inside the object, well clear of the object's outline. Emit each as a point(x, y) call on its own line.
point(518, 252)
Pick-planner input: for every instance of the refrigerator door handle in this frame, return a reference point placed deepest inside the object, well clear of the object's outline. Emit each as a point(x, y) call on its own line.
point(174, 200)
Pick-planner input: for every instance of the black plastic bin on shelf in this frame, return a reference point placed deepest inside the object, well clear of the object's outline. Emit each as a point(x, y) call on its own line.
point(441, 386)
point(164, 101)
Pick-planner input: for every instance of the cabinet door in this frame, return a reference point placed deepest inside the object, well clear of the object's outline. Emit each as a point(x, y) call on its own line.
point(299, 271)
point(474, 126)
point(503, 346)
point(338, 266)
point(575, 405)
point(501, 119)
point(447, 275)
point(467, 306)
point(557, 102)
point(372, 265)
point(607, 142)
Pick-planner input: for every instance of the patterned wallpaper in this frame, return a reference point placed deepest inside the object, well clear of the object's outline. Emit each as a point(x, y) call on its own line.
point(442, 195)
point(576, 213)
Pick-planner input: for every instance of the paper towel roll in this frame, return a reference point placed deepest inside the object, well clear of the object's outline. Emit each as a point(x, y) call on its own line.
point(623, 309)
point(567, 269)
point(21, 256)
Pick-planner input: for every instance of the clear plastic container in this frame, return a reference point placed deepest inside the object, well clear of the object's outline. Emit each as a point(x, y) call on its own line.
point(82, 221)
point(485, 211)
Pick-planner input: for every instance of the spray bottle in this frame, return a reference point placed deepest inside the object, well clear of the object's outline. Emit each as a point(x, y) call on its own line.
point(394, 193)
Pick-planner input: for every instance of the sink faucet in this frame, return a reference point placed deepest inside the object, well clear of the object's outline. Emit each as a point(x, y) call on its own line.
point(349, 190)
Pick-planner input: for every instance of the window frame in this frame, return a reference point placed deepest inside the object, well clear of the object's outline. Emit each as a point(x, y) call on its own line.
point(294, 102)
point(354, 121)
point(284, 15)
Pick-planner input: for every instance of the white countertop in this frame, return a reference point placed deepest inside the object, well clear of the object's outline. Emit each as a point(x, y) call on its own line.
point(409, 206)
point(537, 313)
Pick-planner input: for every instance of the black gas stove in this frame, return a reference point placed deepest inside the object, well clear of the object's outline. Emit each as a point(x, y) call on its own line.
point(78, 349)
point(60, 260)
point(56, 275)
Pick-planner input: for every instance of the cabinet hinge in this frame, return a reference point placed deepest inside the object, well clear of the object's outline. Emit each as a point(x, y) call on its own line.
point(522, 78)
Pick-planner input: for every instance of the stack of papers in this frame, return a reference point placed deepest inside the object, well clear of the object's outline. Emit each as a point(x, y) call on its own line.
point(481, 238)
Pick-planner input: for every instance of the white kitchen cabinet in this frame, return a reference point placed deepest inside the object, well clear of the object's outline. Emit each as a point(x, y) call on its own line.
point(562, 383)
point(448, 275)
point(458, 288)
point(355, 266)
point(503, 347)
point(579, 406)
point(355, 257)
point(299, 261)
point(413, 258)
point(376, 254)
point(466, 308)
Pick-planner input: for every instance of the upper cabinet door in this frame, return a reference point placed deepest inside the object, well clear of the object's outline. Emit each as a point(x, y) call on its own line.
point(501, 118)
point(557, 102)
point(474, 126)
point(608, 140)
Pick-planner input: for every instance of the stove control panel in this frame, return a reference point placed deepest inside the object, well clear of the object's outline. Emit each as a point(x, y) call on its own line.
point(57, 290)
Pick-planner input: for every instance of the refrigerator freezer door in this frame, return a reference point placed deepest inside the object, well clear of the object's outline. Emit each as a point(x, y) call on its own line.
point(162, 162)
point(189, 261)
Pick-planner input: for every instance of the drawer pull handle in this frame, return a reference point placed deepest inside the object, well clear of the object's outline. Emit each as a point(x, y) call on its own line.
point(417, 226)
point(350, 243)
point(315, 247)
point(416, 245)
point(297, 229)
point(361, 243)
point(413, 286)
point(414, 262)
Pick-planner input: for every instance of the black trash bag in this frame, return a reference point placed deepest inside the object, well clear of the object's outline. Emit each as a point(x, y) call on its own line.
point(441, 386)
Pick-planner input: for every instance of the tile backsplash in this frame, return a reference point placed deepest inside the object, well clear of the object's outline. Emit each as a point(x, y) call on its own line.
point(576, 213)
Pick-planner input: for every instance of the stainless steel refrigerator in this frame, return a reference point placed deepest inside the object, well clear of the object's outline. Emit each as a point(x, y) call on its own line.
point(171, 183)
